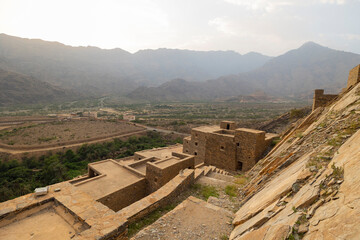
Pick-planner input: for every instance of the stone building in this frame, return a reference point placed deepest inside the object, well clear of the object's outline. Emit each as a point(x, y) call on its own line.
point(109, 181)
point(321, 99)
point(226, 146)
point(354, 76)
point(101, 204)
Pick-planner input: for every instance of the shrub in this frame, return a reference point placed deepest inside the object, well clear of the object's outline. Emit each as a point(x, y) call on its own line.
point(231, 190)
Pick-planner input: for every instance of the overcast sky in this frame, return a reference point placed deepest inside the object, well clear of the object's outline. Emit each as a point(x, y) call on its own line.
point(270, 27)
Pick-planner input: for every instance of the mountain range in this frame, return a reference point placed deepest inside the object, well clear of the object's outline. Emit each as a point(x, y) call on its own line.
point(294, 74)
point(66, 72)
point(92, 70)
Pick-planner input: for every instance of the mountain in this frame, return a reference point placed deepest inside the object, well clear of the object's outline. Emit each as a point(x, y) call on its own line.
point(17, 88)
point(182, 90)
point(161, 65)
point(93, 70)
point(294, 74)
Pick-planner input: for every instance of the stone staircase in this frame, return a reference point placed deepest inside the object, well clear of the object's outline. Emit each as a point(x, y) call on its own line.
point(210, 169)
point(212, 175)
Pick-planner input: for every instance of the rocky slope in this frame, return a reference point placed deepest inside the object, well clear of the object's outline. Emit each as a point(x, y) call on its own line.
point(308, 186)
point(17, 88)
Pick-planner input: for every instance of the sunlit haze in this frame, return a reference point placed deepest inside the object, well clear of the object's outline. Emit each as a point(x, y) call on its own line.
point(269, 27)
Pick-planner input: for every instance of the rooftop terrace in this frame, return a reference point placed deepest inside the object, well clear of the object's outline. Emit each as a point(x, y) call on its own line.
point(111, 177)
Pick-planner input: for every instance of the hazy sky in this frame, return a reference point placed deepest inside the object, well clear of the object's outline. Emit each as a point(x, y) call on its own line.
point(269, 27)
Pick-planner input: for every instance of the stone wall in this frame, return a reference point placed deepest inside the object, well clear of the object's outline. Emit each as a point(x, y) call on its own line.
point(157, 199)
point(158, 177)
point(221, 151)
point(196, 145)
point(229, 125)
point(250, 146)
point(227, 147)
point(321, 99)
point(188, 145)
point(354, 76)
point(125, 196)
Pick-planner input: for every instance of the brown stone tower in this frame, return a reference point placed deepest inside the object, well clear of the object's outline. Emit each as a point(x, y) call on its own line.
point(354, 76)
point(321, 99)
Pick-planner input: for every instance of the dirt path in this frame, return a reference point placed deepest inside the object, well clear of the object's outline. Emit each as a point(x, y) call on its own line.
point(193, 219)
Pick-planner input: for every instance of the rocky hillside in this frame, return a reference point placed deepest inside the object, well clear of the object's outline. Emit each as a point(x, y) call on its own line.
point(16, 88)
point(308, 186)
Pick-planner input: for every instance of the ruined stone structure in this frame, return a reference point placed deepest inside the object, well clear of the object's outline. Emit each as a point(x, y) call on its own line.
point(321, 99)
point(100, 204)
point(354, 77)
point(227, 147)
point(109, 181)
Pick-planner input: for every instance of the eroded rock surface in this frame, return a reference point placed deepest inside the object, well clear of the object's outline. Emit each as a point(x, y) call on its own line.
point(309, 186)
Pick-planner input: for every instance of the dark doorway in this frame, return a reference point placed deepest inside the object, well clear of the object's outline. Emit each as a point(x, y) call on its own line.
point(240, 166)
point(227, 126)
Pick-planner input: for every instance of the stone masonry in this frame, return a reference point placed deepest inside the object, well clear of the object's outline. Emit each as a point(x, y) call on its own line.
point(227, 147)
point(321, 99)
point(101, 204)
point(354, 76)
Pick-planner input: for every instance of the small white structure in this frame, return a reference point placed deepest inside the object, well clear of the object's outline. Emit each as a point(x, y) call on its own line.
point(129, 117)
point(41, 191)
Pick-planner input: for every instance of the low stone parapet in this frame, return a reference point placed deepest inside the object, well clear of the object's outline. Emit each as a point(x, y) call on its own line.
point(159, 198)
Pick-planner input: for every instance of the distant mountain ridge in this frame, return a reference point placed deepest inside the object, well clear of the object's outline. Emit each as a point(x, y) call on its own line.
point(16, 88)
point(170, 74)
point(92, 70)
point(294, 74)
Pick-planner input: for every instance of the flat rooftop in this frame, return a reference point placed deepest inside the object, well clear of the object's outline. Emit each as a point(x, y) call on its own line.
point(211, 128)
point(141, 168)
point(250, 130)
point(161, 153)
point(115, 177)
point(64, 212)
point(41, 223)
point(168, 162)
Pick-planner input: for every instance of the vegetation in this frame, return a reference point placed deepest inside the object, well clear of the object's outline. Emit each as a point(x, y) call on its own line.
point(19, 178)
point(338, 172)
point(297, 113)
point(231, 190)
point(224, 237)
point(206, 191)
point(240, 179)
point(149, 219)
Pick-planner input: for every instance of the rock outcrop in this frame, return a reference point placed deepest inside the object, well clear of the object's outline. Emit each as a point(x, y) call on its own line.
point(308, 186)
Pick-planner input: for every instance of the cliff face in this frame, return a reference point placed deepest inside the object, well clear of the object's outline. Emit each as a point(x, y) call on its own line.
point(308, 187)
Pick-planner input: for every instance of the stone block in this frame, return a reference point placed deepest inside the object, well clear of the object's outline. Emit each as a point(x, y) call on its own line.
point(41, 191)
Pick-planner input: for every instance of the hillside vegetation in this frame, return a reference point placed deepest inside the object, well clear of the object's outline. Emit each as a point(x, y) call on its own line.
point(17, 88)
